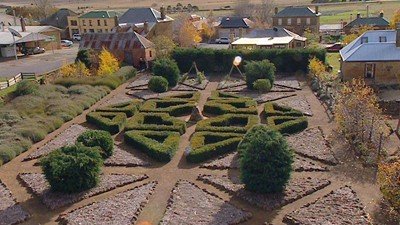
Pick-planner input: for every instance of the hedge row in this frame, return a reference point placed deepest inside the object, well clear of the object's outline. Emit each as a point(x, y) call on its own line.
point(218, 95)
point(287, 124)
point(212, 60)
point(156, 122)
point(192, 96)
point(174, 107)
point(112, 122)
point(273, 109)
point(206, 145)
point(129, 108)
point(160, 145)
point(234, 123)
point(239, 106)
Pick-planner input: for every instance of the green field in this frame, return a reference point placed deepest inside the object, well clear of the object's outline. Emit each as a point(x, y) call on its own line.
point(333, 60)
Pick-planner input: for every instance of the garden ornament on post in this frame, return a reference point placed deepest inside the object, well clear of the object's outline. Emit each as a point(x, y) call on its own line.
point(235, 64)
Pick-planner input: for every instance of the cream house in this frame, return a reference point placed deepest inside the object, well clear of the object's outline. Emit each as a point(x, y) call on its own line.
point(93, 22)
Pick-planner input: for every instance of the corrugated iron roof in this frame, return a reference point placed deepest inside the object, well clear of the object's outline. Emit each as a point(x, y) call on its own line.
point(6, 37)
point(274, 32)
point(114, 41)
point(297, 11)
point(263, 41)
point(235, 22)
point(35, 29)
point(141, 15)
point(368, 21)
point(99, 14)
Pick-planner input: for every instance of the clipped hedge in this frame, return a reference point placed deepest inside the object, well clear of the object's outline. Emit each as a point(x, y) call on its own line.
point(100, 139)
point(167, 68)
point(190, 97)
point(112, 122)
point(220, 60)
point(206, 145)
point(173, 107)
point(129, 108)
point(233, 123)
point(160, 145)
point(158, 84)
point(239, 106)
point(287, 124)
point(218, 95)
point(273, 109)
point(156, 122)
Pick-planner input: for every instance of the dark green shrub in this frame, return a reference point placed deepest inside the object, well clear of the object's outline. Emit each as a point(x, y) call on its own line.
point(160, 145)
point(168, 69)
point(129, 108)
point(287, 124)
point(156, 122)
point(206, 145)
point(26, 87)
point(72, 168)
point(190, 97)
point(110, 121)
point(234, 106)
point(265, 160)
point(218, 95)
point(262, 85)
point(273, 109)
point(84, 57)
point(174, 107)
point(259, 70)
point(158, 84)
point(98, 138)
point(232, 123)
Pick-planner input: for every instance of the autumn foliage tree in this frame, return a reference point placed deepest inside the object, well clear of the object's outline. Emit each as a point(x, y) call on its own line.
point(355, 33)
point(389, 180)
point(188, 35)
point(77, 69)
point(163, 46)
point(316, 68)
point(108, 63)
point(395, 20)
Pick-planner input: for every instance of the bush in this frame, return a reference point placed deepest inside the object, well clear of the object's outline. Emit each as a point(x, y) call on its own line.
point(26, 87)
point(84, 57)
point(262, 85)
point(287, 124)
point(156, 122)
point(190, 97)
point(110, 121)
point(72, 168)
point(265, 160)
point(173, 107)
point(98, 138)
point(217, 95)
point(160, 145)
point(388, 177)
point(232, 123)
point(273, 109)
point(168, 69)
point(158, 84)
point(206, 145)
point(259, 70)
point(234, 106)
point(129, 108)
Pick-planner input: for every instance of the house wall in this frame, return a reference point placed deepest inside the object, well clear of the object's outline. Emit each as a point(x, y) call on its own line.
point(348, 30)
point(295, 27)
point(385, 72)
point(47, 44)
point(84, 25)
point(161, 28)
point(226, 32)
point(292, 44)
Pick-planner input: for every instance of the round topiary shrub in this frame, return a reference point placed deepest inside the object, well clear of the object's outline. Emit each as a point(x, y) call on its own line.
point(158, 84)
point(265, 160)
point(26, 87)
point(72, 168)
point(259, 70)
point(168, 69)
point(262, 85)
point(100, 139)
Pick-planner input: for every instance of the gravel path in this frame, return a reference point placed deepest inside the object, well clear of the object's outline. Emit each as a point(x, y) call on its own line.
point(189, 204)
point(295, 189)
point(38, 184)
point(121, 209)
point(10, 211)
point(311, 143)
point(244, 88)
point(124, 158)
point(268, 97)
point(302, 164)
point(338, 207)
point(66, 137)
point(299, 103)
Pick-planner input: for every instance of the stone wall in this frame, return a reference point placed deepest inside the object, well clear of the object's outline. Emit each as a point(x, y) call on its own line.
point(385, 72)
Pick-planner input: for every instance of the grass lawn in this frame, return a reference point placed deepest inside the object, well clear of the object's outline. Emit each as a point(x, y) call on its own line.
point(333, 60)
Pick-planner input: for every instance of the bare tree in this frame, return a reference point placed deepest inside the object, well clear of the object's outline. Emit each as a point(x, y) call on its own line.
point(44, 7)
point(261, 14)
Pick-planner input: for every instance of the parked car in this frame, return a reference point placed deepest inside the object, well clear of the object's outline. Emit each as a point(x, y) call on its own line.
point(66, 43)
point(76, 37)
point(33, 51)
point(222, 40)
point(334, 48)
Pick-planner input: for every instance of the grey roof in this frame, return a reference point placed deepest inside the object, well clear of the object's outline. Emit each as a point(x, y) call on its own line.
point(371, 21)
point(59, 19)
point(325, 27)
point(273, 32)
point(234, 22)
point(7, 19)
point(296, 11)
point(141, 15)
point(6, 38)
point(35, 29)
point(114, 41)
point(373, 50)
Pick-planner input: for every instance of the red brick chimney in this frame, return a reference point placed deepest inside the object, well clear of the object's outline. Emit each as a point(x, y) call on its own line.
point(316, 9)
point(381, 14)
point(145, 27)
point(23, 26)
point(162, 11)
point(276, 10)
point(398, 35)
point(358, 15)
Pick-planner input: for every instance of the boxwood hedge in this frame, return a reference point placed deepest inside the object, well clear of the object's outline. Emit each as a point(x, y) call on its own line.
point(287, 124)
point(206, 145)
point(191, 96)
point(273, 109)
point(129, 108)
point(240, 106)
point(235, 123)
point(218, 95)
point(156, 122)
point(112, 122)
point(174, 107)
point(160, 145)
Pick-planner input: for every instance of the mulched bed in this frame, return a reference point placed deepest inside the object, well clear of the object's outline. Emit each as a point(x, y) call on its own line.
point(38, 184)
point(311, 143)
point(10, 211)
point(142, 80)
point(302, 164)
point(268, 97)
point(181, 87)
point(295, 189)
point(289, 82)
point(122, 208)
point(338, 207)
point(66, 137)
point(147, 94)
point(118, 98)
point(121, 157)
point(299, 103)
point(225, 84)
point(189, 204)
point(192, 82)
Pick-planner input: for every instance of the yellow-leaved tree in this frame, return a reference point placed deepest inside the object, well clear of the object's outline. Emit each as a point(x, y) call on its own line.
point(81, 69)
point(108, 63)
point(389, 180)
point(355, 33)
point(163, 45)
point(395, 20)
point(208, 31)
point(68, 70)
point(316, 68)
point(188, 35)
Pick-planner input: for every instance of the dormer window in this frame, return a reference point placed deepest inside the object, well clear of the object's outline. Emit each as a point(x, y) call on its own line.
point(382, 39)
point(364, 40)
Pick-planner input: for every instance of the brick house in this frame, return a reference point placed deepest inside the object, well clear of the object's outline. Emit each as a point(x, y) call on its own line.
point(375, 56)
point(93, 22)
point(377, 23)
point(232, 27)
point(297, 19)
point(60, 20)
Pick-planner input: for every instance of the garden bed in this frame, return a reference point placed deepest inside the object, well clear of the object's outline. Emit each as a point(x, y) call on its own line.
point(288, 82)
point(124, 158)
point(341, 206)
point(267, 97)
point(298, 103)
point(182, 87)
point(117, 99)
point(156, 122)
point(10, 211)
point(230, 83)
point(140, 81)
point(38, 185)
point(232, 123)
point(296, 188)
point(174, 107)
point(189, 204)
point(192, 82)
point(121, 209)
point(235, 106)
point(243, 88)
point(66, 137)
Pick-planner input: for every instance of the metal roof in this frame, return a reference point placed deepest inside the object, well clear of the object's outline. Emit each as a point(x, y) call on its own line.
point(6, 38)
point(7, 19)
point(263, 41)
point(99, 14)
point(296, 11)
point(141, 15)
point(371, 21)
point(114, 41)
point(327, 27)
point(35, 29)
point(235, 22)
point(373, 50)
point(274, 32)
point(59, 19)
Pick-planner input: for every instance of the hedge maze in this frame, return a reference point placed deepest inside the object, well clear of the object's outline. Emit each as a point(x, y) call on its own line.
point(112, 122)
point(156, 122)
point(129, 108)
point(174, 107)
point(236, 123)
point(285, 119)
point(235, 106)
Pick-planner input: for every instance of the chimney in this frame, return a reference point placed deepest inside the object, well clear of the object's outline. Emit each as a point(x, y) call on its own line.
point(116, 23)
point(2, 26)
point(145, 27)
point(316, 9)
point(276, 10)
point(398, 35)
point(15, 18)
point(162, 11)
point(23, 28)
point(367, 10)
point(381, 14)
point(358, 15)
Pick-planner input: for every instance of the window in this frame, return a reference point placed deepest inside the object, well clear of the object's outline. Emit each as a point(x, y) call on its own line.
point(84, 22)
point(364, 40)
point(151, 54)
point(74, 23)
point(99, 31)
point(279, 21)
point(105, 22)
point(370, 70)
point(91, 30)
point(106, 30)
point(98, 23)
point(298, 21)
point(84, 31)
point(298, 44)
point(74, 31)
point(382, 39)
point(289, 21)
point(90, 23)
point(308, 21)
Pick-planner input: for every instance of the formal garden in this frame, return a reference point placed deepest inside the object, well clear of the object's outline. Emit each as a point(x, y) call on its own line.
point(196, 140)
